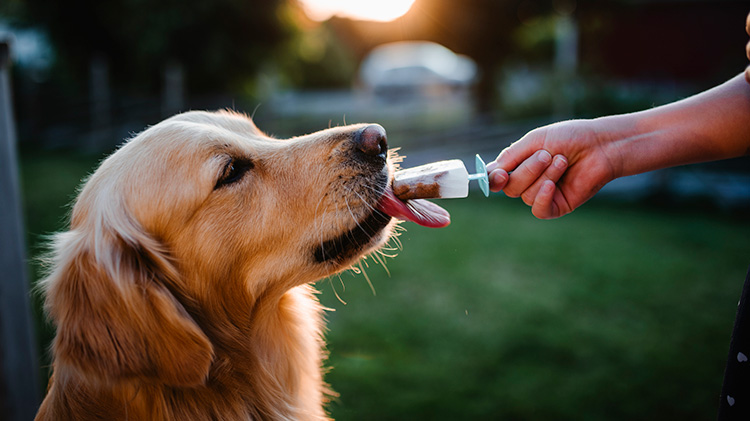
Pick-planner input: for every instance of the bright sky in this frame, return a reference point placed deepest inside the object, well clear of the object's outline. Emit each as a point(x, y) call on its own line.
point(378, 10)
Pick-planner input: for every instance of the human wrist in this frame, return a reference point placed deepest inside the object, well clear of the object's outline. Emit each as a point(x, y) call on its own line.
point(653, 139)
point(616, 135)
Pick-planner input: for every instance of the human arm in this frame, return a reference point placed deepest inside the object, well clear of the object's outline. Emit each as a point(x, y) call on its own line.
point(557, 168)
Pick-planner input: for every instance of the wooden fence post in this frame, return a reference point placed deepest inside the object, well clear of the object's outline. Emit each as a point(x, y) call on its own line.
point(19, 372)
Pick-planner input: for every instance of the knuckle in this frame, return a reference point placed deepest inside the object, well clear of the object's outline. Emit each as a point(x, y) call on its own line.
point(534, 169)
point(553, 173)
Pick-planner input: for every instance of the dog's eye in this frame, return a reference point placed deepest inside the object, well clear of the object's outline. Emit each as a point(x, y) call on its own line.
point(233, 172)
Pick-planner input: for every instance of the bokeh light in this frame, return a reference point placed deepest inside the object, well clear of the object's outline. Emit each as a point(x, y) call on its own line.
point(376, 10)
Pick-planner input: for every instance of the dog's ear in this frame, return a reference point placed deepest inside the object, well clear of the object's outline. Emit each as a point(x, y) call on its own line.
point(115, 314)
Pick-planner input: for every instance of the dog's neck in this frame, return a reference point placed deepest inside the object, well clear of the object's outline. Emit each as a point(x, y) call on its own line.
point(274, 341)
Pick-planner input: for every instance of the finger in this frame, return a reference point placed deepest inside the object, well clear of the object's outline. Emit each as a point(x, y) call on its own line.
point(550, 202)
point(544, 206)
point(492, 166)
point(552, 173)
point(747, 24)
point(527, 173)
point(498, 180)
point(512, 156)
point(747, 74)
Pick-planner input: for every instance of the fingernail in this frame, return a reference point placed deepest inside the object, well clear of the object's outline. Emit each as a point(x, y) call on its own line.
point(499, 178)
point(544, 157)
point(560, 162)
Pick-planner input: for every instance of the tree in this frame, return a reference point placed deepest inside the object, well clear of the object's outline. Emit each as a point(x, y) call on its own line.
point(221, 42)
point(480, 29)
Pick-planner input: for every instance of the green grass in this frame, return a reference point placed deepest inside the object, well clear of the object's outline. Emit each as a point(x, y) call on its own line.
point(606, 314)
point(610, 313)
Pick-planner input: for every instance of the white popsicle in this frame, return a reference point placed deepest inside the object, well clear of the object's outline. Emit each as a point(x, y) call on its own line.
point(442, 179)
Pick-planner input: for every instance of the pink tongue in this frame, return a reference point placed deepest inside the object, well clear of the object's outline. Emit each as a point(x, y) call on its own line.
point(418, 211)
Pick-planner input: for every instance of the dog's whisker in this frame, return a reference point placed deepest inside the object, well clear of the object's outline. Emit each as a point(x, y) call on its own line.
point(343, 285)
point(376, 189)
point(349, 208)
point(367, 278)
point(351, 213)
point(364, 262)
point(378, 257)
point(319, 220)
point(333, 287)
point(385, 249)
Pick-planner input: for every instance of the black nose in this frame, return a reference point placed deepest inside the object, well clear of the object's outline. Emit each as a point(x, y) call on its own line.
point(371, 141)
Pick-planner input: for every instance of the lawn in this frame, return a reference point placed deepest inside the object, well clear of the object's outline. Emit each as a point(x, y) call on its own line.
point(611, 313)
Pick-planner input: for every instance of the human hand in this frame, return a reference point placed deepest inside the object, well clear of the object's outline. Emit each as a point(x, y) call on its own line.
point(747, 48)
point(556, 168)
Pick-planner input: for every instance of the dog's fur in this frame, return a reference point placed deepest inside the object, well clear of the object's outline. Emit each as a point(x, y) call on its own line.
point(181, 290)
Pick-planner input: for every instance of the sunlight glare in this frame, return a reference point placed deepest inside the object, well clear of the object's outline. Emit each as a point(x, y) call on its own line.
point(377, 10)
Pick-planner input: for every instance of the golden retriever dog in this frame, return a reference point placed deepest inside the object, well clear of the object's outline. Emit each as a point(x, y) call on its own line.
point(181, 290)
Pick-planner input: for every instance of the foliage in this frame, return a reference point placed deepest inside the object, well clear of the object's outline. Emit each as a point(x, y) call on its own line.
point(317, 59)
point(482, 30)
point(222, 42)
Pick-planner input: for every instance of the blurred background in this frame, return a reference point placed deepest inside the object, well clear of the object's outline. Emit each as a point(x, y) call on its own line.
point(622, 310)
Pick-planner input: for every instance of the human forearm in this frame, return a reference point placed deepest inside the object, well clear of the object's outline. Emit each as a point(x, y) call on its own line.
point(712, 125)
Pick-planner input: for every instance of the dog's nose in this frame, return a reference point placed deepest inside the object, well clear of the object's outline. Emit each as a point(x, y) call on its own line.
point(371, 141)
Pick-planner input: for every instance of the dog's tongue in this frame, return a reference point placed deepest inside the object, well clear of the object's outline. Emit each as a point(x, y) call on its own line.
point(419, 211)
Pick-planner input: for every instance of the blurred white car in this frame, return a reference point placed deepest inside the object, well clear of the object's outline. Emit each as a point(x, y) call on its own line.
point(415, 68)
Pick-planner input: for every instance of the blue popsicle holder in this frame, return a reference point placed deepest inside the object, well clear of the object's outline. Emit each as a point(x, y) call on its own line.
point(481, 176)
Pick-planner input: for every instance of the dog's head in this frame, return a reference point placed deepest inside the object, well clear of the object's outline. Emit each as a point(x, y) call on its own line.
point(204, 208)
point(222, 196)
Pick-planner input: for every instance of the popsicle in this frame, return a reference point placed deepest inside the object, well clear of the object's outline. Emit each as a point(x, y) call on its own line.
point(439, 180)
